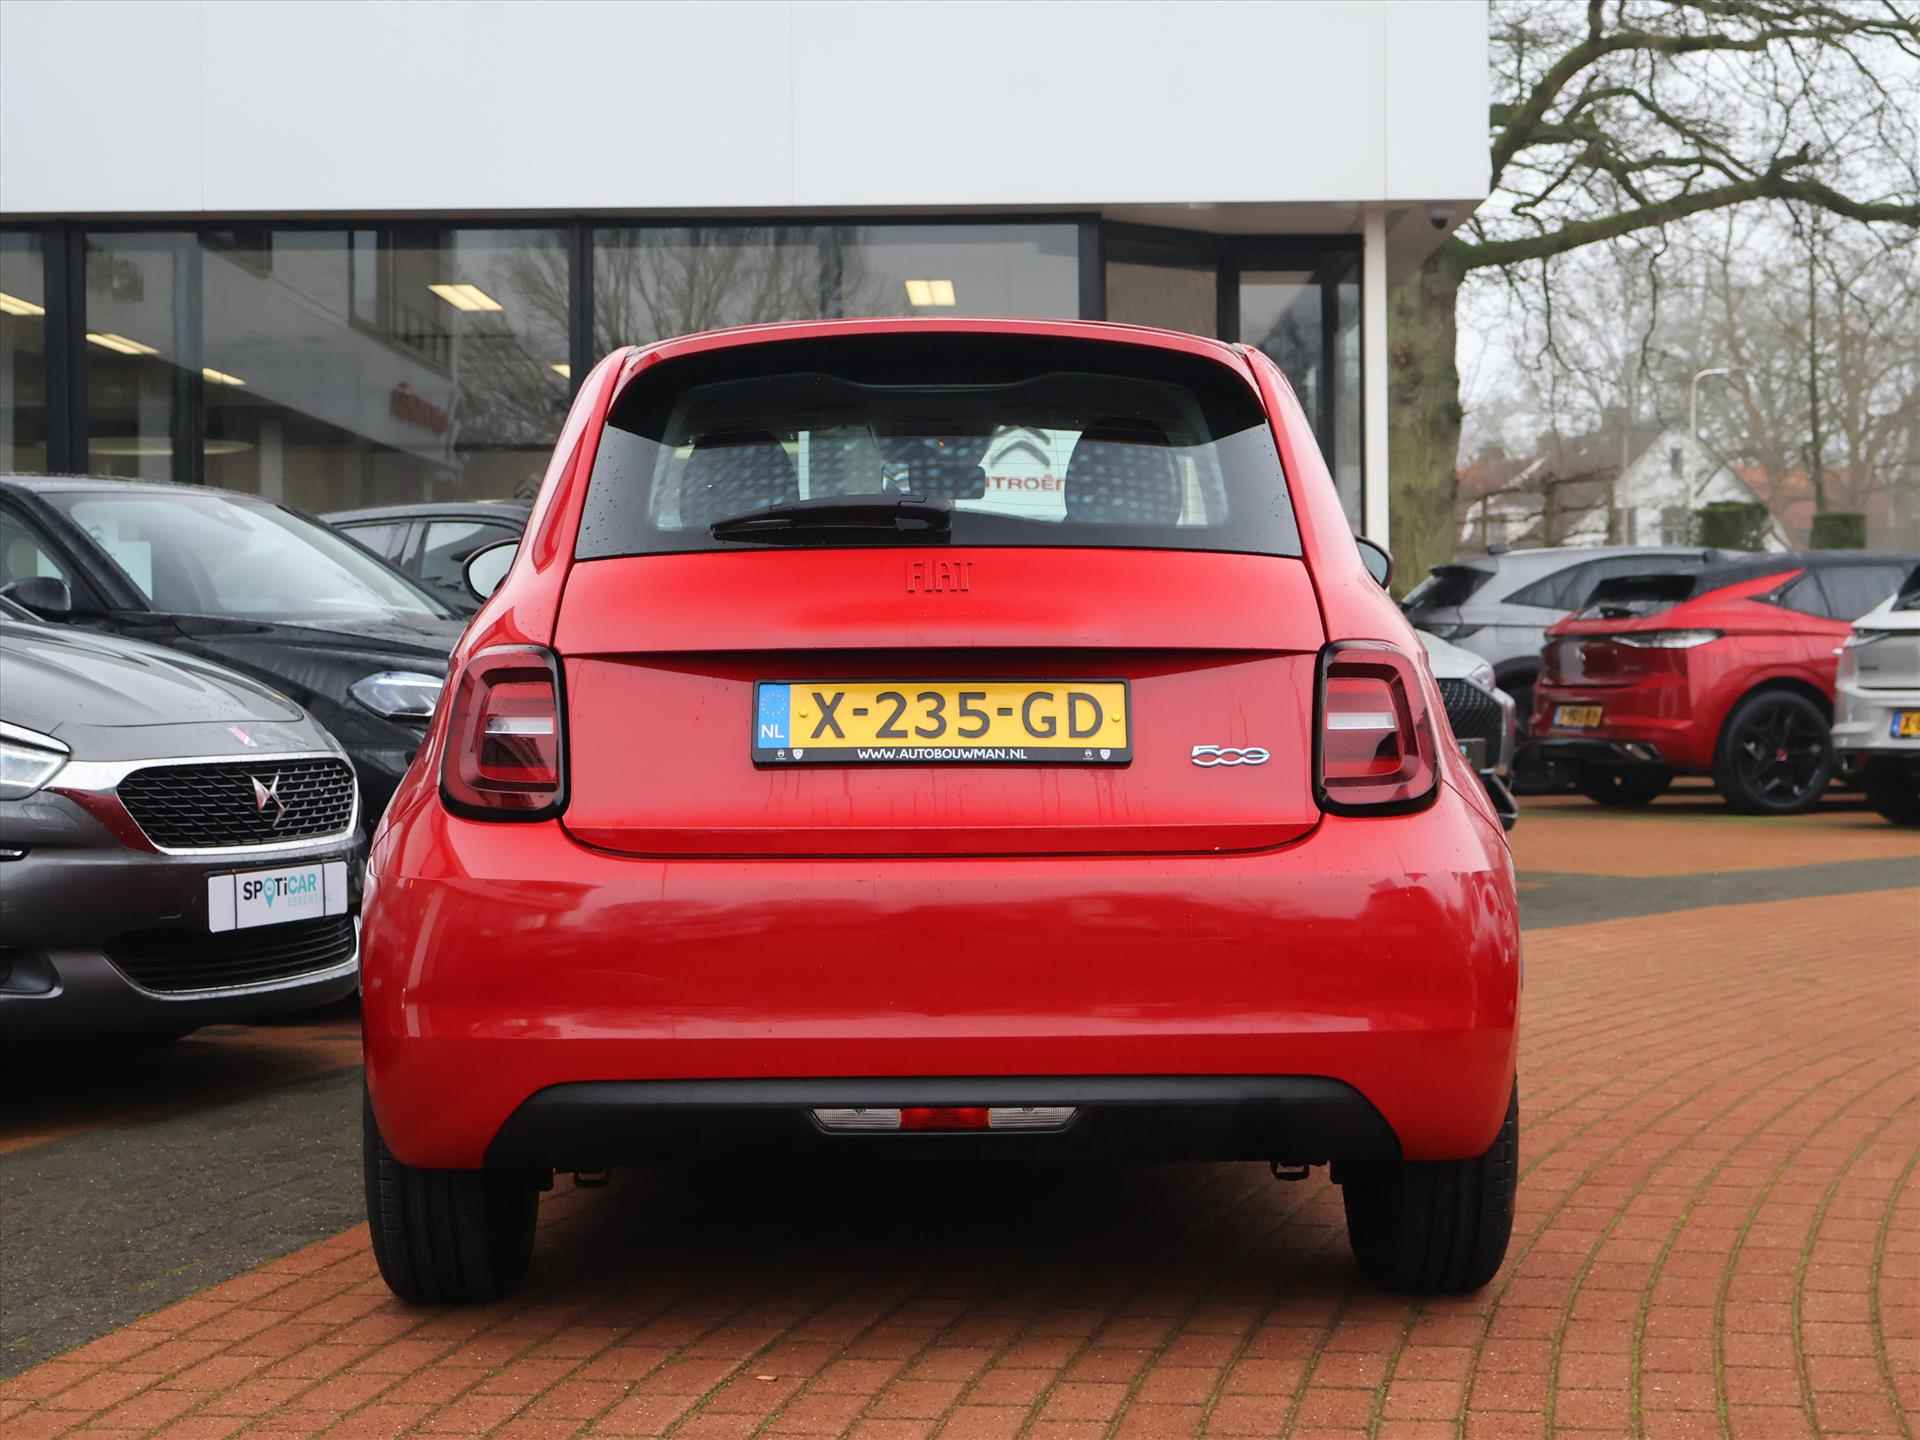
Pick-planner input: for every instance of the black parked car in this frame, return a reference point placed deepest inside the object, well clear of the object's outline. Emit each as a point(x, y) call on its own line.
point(243, 582)
point(178, 844)
point(433, 542)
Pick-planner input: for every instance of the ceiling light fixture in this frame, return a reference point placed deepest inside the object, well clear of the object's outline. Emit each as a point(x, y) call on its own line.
point(921, 293)
point(220, 377)
point(562, 369)
point(119, 344)
point(14, 305)
point(463, 296)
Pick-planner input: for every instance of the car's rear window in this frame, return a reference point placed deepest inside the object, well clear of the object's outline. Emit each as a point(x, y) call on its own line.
point(1034, 441)
point(1447, 588)
point(1629, 597)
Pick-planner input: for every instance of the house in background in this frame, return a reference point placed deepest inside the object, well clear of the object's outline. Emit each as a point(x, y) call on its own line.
point(1578, 492)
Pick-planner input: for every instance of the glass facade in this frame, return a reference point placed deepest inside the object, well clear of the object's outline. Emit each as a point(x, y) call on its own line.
point(23, 352)
point(347, 365)
point(650, 282)
point(1307, 320)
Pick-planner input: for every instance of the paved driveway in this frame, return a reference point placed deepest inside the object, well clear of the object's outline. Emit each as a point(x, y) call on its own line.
point(1719, 1228)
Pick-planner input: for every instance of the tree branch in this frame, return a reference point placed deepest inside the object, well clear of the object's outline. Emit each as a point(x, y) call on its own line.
point(1773, 185)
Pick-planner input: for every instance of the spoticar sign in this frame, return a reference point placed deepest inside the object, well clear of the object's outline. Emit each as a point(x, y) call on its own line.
point(277, 896)
point(266, 889)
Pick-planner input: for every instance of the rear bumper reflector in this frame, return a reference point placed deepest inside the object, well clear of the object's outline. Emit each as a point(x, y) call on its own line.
point(944, 1117)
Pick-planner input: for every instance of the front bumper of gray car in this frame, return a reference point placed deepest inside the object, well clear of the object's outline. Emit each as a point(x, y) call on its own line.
point(100, 930)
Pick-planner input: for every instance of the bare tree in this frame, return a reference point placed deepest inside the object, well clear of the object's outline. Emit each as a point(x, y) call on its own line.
point(1617, 119)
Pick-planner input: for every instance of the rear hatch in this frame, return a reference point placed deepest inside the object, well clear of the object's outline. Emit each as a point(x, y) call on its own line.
point(1435, 603)
point(1885, 647)
point(1594, 645)
point(868, 597)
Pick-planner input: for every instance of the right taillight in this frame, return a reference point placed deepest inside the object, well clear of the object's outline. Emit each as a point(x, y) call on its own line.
point(1375, 751)
point(506, 737)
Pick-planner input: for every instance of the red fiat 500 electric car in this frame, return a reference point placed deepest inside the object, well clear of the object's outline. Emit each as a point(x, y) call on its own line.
point(959, 736)
point(1727, 671)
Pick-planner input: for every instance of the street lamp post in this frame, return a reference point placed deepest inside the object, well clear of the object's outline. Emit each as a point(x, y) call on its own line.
point(1693, 406)
point(1693, 394)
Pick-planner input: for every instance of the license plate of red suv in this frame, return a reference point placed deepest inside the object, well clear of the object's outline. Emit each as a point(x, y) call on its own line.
point(1576, 717)
point(935, 722)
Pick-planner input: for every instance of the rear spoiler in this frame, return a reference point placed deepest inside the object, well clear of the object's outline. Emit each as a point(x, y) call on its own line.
point(1627, 596)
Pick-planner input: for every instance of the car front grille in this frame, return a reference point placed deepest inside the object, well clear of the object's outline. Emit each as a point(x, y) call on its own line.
point(1475, 714)
point(175, 961)
point(200, 807)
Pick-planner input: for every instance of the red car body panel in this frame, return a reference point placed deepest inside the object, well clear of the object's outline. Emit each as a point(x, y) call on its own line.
point(1678, 700)
point(703, 920)
point(577, 965)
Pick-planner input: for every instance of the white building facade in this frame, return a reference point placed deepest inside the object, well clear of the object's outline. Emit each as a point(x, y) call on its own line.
point(359, 254)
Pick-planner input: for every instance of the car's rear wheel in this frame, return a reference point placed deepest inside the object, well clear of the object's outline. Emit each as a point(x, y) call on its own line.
point(1624, 787)
point(1893, 788)
point(446, 1237)
point(1436, 1227)
point(1775, 756)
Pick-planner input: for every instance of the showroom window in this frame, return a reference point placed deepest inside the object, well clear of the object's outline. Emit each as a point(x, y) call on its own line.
point(328, 367)
point(23, 352)
point(340, 365)
point(650, 282)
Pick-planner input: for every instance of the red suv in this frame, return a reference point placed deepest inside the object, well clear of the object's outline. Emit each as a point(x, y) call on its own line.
point(982, 737)
point(1726, 671)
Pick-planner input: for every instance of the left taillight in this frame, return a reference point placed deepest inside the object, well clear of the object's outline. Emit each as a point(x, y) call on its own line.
point(506, 750)
point(1375, 750)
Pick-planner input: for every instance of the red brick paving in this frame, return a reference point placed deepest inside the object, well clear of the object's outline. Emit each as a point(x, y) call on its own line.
point(1718, 1236)
point(1690, 831)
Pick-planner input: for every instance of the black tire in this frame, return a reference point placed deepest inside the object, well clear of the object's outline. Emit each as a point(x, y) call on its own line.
point(1775, 755)
point(446, 1237)
point(1438, 1227)
point(1640, 786)
point(1893, 788)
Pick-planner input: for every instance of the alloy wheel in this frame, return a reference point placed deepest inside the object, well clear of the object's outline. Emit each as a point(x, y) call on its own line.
point(1781, 753)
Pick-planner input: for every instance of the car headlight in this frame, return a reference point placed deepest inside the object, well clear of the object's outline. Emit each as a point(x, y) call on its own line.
point(1482, 675)
point(1453, 632)
point(28, 760)
point(1667, 639)
point(1861, 638)
point(399, 694)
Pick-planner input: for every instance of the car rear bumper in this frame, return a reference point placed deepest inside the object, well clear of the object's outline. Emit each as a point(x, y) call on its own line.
point(1299, 1120)
point(501, 961)
point(1601, 754)
point(1866, 720)
point(1649, 724)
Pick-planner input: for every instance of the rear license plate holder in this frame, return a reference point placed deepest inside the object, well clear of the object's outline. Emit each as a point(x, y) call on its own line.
point(1577, 717)
point(942, 722)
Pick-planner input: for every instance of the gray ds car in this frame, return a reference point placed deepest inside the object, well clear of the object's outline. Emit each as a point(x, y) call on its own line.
point(178, 843)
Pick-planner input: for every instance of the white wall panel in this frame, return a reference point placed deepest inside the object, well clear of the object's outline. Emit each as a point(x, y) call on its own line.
point(306, 107)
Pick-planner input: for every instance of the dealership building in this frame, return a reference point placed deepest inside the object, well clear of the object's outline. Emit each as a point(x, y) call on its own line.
point(349, 255)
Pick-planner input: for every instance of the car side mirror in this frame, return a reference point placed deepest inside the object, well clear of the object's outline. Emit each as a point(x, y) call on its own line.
point(488, 566)
point(44, 595)
point(1376, 558)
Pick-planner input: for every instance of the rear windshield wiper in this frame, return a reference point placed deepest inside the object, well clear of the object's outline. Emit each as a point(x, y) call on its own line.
point(847, 519)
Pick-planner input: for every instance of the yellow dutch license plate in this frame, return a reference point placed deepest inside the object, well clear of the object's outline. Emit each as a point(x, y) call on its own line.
point(1576, 717)
point(939, 722)
point(1906, 724)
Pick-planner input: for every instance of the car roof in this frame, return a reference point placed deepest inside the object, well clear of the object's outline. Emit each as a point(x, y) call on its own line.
point(70, 484)
point(468, 509)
